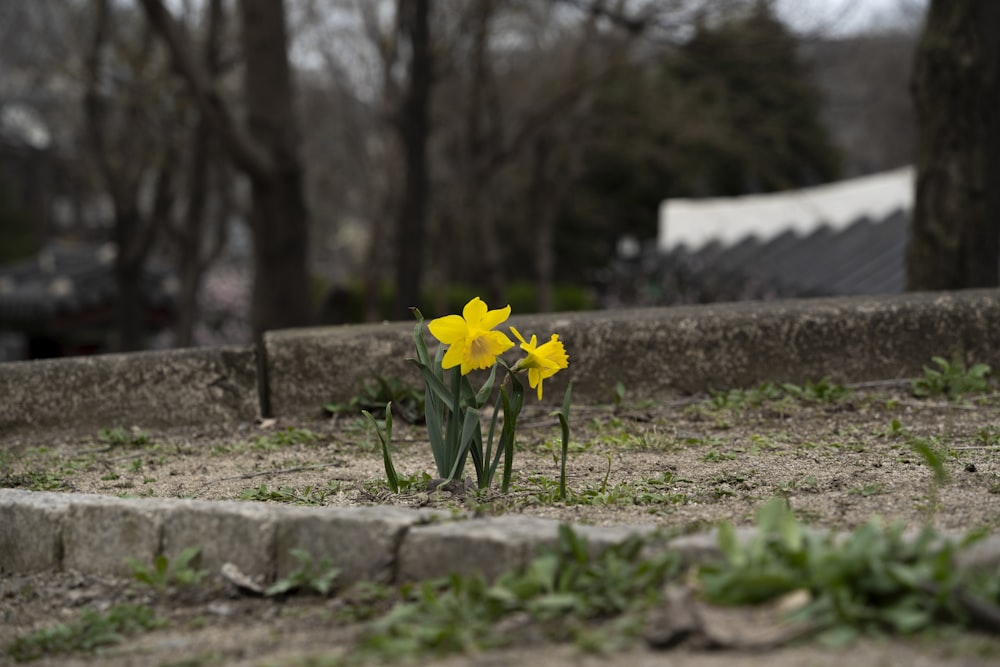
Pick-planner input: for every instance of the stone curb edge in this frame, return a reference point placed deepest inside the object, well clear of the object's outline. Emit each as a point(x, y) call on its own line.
point(655, 353)
point(95, 534)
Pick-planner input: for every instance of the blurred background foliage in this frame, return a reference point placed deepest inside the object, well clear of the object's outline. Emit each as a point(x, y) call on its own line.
point(554, 129)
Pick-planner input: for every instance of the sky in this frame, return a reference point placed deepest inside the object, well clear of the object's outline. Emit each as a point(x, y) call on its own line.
point(842, 17)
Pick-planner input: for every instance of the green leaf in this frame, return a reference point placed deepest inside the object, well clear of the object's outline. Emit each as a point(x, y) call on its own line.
point(384, 438)
point(434, 384)
point(730, 547)
point(423, 356)
point(469, 425)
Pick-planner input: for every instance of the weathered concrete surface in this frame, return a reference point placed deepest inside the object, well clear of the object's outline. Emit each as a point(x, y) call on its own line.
point(99, 537)
point(691, 348)
point(361, 541)
point(491, 546)
point(148, 389)
point(42, 531)
point(226, 532)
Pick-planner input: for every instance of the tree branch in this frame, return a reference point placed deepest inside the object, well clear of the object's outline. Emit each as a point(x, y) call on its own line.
point(245, 153)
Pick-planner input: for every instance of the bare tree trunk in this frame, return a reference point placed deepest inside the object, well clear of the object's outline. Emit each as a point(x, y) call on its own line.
point(541, 209)
point(193, 259)
point(481, 171)
point(267, 153)
point(414, 16)
point(279, 217)
point(955, 240)
point(132, 231)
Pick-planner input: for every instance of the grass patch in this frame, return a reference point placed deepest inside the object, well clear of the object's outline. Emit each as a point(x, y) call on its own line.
point(89, 633)
point(952, 379)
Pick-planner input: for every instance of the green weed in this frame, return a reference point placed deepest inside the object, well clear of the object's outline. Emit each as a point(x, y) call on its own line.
point(286, 438)
point(376, 393)
point(873, 581)
point(120, 437)
point(821, 391)
point(951, 379)
point(559, 590)
point(33, 480)
point(310, 576)
point(89, 633)
point(164, 574)
point(867, 490)
point(287, 494)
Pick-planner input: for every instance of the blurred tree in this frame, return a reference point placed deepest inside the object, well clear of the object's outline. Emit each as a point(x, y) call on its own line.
point(18, 237)
point(729, 111)
point(199, 231)
point(135, 160)
point(955, 239)
point(265, 149)
point(412, 122)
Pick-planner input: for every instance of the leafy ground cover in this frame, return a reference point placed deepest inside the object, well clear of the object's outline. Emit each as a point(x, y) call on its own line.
point(837, 457)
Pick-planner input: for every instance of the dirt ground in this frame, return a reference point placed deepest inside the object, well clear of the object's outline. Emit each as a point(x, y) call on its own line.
point(684, 464)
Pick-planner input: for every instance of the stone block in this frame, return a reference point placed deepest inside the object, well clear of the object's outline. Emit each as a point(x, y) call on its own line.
point(238, 533)
point(146, 389)
point(361, 541)
point(31, 530)
point(99, 536)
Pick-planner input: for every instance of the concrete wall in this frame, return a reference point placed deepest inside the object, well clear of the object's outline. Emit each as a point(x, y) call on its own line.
point(655, 353)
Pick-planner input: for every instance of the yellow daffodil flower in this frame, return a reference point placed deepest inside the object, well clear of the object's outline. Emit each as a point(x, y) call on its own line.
point(470, 339)
point(541, 361)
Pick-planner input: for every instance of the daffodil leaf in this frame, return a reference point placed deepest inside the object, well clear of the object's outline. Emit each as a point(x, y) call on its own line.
point(489, 446)
point(511, 410)
point(432, 416)
point(384, 438)
point(469, 424)
point(434, 384)
point(423, 356)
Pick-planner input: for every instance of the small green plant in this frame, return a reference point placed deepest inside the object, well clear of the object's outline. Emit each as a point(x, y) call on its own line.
point(618, 394)
point(736, 400)
point(873, 580)
point(867, 490)
point(822, 391)
point(563, 416)
point(379, 391)
point(34, 480)
point(310, 576)
point(933, 455)
point(286, 494)
point(951, 379)
point(164, 574)
point(559, 589)
point(384, 433)
point(92, 631)
point(286, 438)
point(120, 437)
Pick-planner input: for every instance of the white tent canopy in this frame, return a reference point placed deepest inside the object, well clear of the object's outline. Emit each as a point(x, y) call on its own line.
point(694, 223)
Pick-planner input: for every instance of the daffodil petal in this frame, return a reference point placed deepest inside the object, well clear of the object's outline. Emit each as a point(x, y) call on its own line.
point(450, 329)
point(474, 312)
point(518, 335)
point(494, 317)
point(453, 357)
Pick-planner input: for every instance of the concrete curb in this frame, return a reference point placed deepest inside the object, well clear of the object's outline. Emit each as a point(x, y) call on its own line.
point(691, 348)
point(96, 534)
point(149, 389)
